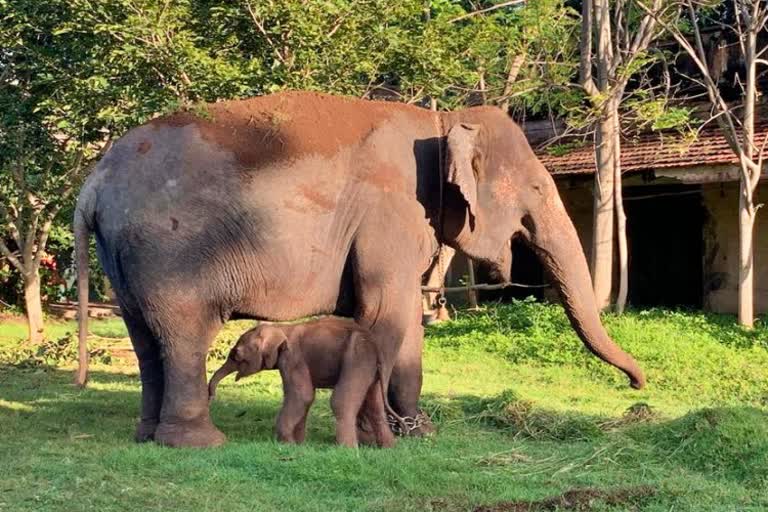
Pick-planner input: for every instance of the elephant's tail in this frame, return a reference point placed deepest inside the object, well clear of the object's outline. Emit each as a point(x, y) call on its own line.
point(390, 411)
point(82, 236)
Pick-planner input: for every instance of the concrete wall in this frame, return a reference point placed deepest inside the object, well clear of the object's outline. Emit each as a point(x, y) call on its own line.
point(721, 242)
point(577, 198)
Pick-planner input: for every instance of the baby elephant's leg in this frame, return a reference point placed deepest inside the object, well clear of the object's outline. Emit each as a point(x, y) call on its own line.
point(300, 431)
point(298, 395)
point(376, 414)
point(346, 401)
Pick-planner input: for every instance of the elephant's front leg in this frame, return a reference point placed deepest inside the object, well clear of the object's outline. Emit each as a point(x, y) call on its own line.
point(298, 395)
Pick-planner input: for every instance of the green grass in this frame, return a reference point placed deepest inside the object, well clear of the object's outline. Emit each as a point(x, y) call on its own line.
point(524, 414)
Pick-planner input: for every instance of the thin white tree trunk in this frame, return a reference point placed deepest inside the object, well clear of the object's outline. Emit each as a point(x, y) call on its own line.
point(33, 307)
point(746, 262)
point(621, 220)
point(747, 186)
point(603, 217)
point(605, 140)
point(514, 69)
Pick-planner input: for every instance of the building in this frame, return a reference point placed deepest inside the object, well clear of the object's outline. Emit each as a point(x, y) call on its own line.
point(681, 201)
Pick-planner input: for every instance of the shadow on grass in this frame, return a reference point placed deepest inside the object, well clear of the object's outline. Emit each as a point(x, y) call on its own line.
point(724, 442)
point(42, 403)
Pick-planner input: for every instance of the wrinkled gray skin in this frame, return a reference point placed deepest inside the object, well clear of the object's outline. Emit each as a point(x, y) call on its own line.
point(297, 204)
point(327, 353)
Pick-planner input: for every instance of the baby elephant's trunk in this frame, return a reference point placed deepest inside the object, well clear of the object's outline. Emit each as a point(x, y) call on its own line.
point(228, 367)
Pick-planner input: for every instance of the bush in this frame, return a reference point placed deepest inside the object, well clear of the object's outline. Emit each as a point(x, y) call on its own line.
point(49, 353)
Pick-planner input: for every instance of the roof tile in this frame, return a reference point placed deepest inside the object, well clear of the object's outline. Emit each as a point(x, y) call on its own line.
point(651, 151)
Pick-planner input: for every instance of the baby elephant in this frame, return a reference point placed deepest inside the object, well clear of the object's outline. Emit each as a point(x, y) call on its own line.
point(326, 353)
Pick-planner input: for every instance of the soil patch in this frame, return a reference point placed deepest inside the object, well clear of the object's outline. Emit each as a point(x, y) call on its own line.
point(578, 499)
point(265, 129)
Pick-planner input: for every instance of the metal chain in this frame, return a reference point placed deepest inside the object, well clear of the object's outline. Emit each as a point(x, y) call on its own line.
point(440, 300)
point(411, 423)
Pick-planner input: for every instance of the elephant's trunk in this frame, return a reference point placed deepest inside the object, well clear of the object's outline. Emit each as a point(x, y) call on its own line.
point(228, 367)
point(554, 238)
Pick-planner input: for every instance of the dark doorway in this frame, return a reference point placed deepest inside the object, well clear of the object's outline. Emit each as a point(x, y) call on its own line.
point(526, 269)
point(666, 245)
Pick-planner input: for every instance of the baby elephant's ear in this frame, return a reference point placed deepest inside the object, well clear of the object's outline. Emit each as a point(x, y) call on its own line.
point(270, 351)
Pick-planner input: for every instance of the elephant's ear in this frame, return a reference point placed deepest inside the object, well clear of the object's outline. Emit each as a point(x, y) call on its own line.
point(463, 156)
point(270, 351)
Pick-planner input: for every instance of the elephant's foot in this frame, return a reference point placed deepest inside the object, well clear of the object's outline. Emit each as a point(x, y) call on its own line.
point(193, 434)
point(365, 436)
point(375, 435)
point(418, 425)
point(145, 430)
point(423, 427)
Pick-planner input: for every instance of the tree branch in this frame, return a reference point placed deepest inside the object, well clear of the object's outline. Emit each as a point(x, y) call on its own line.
point(605, 56)
point(487, 9)
point(41, 242)
point(698, 56)
point(11, 217)
point(260, 26)
point(5, 251)
point(585, 49)
point(514, 70)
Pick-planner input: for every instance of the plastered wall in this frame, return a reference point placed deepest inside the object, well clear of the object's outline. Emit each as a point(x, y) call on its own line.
point(721, 243)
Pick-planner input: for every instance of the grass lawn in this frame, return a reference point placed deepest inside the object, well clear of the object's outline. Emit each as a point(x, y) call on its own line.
point(527, 421)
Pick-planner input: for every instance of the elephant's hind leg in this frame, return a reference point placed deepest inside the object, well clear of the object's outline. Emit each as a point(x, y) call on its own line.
point(147, 349)
point(184, 418)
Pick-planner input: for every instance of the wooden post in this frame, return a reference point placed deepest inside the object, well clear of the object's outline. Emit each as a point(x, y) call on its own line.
point(471, 292)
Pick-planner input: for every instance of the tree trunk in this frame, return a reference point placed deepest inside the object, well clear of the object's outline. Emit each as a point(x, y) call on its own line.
point(602, 226)
point(621, 220)
point(747, 186)
point(746, 263)
point(471, 293)
point(33, 307)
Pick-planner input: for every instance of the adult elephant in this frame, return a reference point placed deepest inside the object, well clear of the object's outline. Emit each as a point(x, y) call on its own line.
point(300, 203)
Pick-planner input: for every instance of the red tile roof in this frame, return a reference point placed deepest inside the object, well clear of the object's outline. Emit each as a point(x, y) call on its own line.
point(651, 151)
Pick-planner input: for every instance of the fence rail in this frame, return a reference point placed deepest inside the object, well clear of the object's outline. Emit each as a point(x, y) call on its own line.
point(500, 286)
